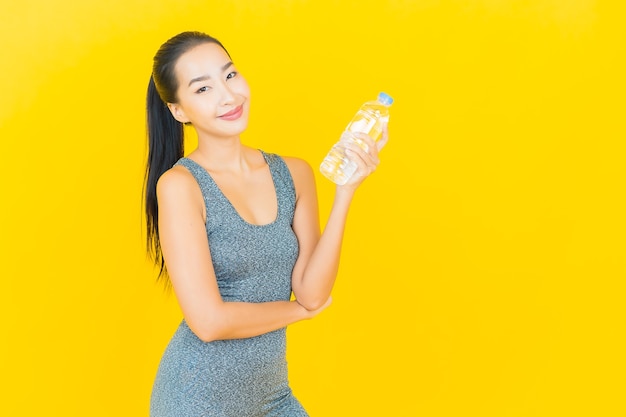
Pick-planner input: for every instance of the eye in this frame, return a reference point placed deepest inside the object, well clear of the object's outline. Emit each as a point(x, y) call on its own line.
point(202, 90)
point(231, 75)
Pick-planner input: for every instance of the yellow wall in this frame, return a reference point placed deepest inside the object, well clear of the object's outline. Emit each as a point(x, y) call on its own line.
point(484, 262)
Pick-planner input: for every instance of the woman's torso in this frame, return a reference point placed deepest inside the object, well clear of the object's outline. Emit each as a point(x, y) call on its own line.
point(252, 263)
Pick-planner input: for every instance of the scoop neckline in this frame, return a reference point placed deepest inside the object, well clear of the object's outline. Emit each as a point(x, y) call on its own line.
point(233, 208)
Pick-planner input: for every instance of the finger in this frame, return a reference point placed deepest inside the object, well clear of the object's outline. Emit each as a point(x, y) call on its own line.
point(366, 147)
point(365, 165)
point(364, 140)
point(367, 157)
point(385, 137)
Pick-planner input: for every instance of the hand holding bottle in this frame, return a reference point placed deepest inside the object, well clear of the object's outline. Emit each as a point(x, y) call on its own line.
point(363, 131)
point(364, 153)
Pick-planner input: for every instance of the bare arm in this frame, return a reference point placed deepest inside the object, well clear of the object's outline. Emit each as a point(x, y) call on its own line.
point(186, 252)
point(318, 262)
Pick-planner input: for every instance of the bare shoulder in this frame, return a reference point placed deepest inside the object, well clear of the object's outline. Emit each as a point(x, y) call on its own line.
point(177, 183)
point(298, 167)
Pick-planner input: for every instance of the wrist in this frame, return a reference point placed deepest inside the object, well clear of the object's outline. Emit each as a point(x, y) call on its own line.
point(344, 193)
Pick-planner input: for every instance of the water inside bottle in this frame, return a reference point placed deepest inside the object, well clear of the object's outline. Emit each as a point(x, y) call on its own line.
point(337, 167)
point(369, 120)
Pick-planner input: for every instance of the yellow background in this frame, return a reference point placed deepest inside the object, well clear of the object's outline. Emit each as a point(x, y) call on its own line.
point(483, 266)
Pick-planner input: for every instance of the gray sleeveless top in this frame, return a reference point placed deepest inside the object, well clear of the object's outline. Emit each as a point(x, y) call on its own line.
point(253, 263)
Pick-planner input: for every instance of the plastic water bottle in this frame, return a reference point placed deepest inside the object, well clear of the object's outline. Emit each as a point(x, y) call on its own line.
point(370, 118)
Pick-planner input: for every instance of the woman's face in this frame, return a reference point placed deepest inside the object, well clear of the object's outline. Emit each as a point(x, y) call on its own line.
point(212, 95)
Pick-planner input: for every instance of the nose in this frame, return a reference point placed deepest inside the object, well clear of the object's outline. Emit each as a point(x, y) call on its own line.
point(227, 96)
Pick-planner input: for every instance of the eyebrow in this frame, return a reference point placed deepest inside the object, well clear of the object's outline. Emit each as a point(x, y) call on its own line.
point(207, 77)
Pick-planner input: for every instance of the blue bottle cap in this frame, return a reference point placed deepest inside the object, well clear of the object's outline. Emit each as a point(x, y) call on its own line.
point(385, 99)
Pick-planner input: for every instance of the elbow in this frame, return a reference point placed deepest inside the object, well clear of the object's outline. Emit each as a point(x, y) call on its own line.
point(208, 324)
point(206, 336)
point(206, 332)
point(312, 304)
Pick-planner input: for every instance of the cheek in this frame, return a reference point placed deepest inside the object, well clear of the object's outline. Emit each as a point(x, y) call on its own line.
point(204, 104)
point(243, 88)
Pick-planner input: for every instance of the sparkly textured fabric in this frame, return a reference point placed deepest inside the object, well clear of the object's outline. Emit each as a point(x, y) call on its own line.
point(253, 263)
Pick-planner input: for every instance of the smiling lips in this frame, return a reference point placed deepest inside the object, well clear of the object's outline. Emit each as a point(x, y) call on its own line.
point(234, 114)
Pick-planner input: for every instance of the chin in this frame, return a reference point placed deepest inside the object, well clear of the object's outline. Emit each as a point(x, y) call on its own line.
point(235, 129)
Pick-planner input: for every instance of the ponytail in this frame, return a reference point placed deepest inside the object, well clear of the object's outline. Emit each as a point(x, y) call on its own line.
point(165, 134)
point(165, 147)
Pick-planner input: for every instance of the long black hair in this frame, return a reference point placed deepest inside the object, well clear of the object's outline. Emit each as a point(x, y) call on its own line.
point(165, 134)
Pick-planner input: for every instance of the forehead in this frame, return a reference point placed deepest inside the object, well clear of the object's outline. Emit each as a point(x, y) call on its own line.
point(203, 59)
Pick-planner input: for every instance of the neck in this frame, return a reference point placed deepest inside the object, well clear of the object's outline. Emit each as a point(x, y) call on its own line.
point(223, 154)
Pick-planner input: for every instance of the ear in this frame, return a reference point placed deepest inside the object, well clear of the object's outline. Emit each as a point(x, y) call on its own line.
point(178, 112)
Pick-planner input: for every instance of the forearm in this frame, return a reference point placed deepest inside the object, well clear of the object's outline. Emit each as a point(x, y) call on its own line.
point(318, 278)
point(236, 320)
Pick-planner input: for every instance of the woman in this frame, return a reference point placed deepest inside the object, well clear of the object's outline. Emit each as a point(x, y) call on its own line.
point(235, 230)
